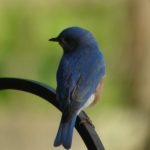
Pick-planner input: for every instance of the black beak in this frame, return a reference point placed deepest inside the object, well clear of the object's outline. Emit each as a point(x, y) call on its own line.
point(55, 39)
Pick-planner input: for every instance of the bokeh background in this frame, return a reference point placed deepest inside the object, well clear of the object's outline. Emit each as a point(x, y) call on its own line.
point(121, 27)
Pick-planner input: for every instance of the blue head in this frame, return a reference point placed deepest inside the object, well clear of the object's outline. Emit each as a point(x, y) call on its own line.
point(73, 38)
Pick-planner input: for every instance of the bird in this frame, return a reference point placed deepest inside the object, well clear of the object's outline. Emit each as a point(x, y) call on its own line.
point(79, 78)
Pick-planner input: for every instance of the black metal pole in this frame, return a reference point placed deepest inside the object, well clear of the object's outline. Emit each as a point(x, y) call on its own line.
point(86, 130)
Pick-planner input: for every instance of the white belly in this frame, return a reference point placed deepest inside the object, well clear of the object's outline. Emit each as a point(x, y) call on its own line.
point(88, 103)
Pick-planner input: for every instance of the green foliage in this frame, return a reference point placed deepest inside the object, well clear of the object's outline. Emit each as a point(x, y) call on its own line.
point(26, 53)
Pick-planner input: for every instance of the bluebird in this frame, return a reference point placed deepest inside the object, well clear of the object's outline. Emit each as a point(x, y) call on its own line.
point(79, 78)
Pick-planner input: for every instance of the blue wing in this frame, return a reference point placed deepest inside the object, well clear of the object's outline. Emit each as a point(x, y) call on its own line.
point(77, 78)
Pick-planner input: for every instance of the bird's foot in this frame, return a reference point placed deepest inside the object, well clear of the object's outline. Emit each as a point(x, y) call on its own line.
point(86, 120)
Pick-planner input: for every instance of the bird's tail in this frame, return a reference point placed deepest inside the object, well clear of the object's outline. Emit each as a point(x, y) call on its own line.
point(65, 132)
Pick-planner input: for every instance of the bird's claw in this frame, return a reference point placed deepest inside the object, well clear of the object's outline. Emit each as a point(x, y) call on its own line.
point(86, 121)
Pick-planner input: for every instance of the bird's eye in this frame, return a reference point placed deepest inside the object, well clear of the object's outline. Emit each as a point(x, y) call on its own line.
point(68, 43)
point(66, 40)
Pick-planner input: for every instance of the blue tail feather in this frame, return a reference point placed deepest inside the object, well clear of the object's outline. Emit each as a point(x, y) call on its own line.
point(65, 132)
point(58, 139)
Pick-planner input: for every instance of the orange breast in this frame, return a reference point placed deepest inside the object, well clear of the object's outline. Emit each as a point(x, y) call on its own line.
point(98, 92)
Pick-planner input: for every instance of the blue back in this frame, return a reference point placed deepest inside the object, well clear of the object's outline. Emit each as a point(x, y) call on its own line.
point(79, 73)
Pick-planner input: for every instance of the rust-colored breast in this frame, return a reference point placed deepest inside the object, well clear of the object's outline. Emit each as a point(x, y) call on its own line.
point(98, 92)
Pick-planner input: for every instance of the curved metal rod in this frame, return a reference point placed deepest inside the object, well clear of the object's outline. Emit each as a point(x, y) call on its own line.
point(86, 130)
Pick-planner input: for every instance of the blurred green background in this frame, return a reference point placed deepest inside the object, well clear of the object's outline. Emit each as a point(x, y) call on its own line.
point(121, 28)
